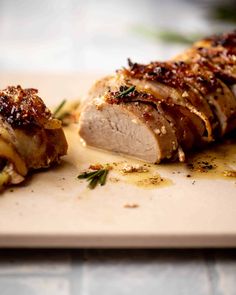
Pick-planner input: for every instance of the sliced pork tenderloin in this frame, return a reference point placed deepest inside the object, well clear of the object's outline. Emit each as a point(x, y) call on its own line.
point(194, 93)
point(134, 128)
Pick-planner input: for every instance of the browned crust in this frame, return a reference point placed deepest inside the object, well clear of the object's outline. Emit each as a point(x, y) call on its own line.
point(227, 40)
point(177, 116)
point(196, 75)
point(209, 59)
point(193, 96)
point(114, 98)
point(220, 61)
point(176, 74)
point(23, 108)
point(217, 54)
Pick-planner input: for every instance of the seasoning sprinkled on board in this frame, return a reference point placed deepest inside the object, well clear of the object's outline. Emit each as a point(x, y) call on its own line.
point(131, 206)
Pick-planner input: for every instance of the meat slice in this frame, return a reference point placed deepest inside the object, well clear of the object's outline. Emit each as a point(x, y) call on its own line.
point(176, 97)
point(135, 129)
point(30, 138)
point(194, 93)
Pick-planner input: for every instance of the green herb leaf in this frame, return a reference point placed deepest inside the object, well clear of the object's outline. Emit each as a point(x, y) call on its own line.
point(93, 183)
point(63, 115)
point(96, 174)
point(58, 109)
point(95, 177)
point(224, 12)
point(175, 37)
point(167, 36)
point(103, 177)
point(125, 92)
point(85, 175)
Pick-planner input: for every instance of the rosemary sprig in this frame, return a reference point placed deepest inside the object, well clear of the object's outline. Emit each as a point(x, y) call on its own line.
point(58, 109)
point(224, 12)
point(85, 175)
point(103, 177)
point(168, 36)
point(67, 113)
point(176, 37)
point(95, 177)
point(63, 116)
point(125, 92)
point(93, 183)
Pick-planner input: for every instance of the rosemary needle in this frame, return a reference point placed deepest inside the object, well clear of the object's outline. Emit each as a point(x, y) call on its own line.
point(93, 183)
point(125, 92)
point(63, 115)
point(60, 106)
point(98, 173)
point(95, 177)
point(103, 178)
point(85, 175)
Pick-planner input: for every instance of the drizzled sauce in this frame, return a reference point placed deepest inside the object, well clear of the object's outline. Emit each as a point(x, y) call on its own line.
point(218, 161)
point(148, 178)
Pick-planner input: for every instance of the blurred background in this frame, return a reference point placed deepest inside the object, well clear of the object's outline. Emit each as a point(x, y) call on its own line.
point(97, 36)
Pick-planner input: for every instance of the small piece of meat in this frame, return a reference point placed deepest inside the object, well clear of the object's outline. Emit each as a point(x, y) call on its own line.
point(191, 98)
point(30, 138)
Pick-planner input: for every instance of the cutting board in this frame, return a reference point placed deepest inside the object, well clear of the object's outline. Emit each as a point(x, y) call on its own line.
point(55, 209)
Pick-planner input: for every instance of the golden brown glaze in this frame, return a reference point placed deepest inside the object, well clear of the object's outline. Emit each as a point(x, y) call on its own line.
point(23, 107)
point(201, 76)
point(195, 92)
point(227, 40)
point(30, 138)
point(216, 54)
point(177, 74)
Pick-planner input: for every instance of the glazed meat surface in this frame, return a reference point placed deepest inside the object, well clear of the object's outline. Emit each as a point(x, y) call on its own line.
point(160, 110)
point(30, 138)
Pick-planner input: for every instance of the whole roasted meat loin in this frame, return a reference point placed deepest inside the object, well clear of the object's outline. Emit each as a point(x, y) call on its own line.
point(161, 110)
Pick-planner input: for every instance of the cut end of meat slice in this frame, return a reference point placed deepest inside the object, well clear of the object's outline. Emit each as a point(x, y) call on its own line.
point(114, 128)
point(122, 129)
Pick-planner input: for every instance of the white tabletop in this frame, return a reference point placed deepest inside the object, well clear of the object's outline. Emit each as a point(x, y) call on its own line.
point(98, 36)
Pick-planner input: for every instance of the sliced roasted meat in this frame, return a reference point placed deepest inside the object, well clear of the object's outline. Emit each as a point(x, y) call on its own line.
point(30, 138)
point(134, 128)
point(194, 93)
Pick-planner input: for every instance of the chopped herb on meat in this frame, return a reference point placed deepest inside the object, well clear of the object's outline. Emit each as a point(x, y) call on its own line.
point(126, 92)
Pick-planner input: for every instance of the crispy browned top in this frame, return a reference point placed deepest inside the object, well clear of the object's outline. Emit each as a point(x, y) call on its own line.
point(175, 74)
point(115, 97)
point(218, 54)
point(208, 60)
point(23, 107)
point(227, 40)
point(221, 61)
